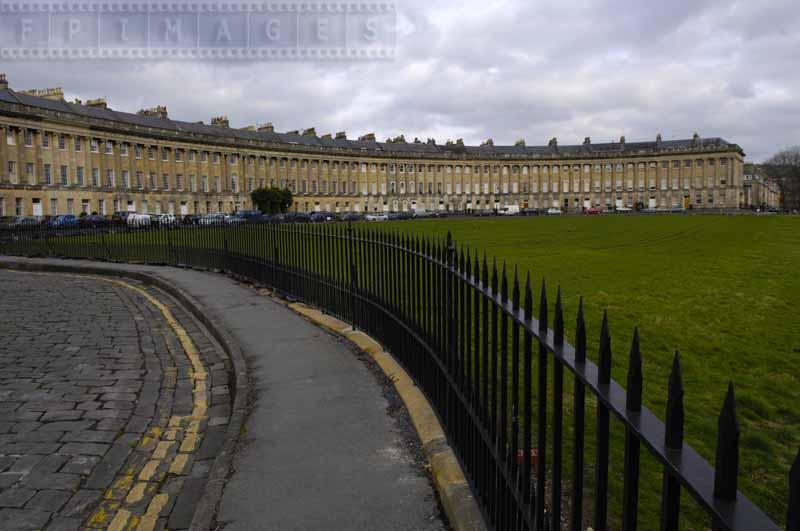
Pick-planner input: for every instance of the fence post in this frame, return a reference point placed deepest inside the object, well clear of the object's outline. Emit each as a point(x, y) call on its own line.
point(726, 469)
point(353, 273)
point(450, 259)
point(793, 513)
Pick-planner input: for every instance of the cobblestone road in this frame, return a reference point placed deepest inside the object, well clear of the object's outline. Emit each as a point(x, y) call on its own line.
point(113, 404)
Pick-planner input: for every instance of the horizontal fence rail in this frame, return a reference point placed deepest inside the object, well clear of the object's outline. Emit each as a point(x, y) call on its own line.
point(491, 364)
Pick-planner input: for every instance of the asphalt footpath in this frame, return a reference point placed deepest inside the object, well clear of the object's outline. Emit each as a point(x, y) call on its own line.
point(323, 445)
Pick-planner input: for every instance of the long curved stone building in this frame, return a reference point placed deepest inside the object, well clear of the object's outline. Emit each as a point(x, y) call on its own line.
point(61, 157)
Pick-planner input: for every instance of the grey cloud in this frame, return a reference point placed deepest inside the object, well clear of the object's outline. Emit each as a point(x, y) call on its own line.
point(506, 70)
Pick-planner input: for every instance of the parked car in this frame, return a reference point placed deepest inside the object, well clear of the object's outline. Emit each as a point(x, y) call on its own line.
point(120, 217)
point(421, 213)
point(139, 220)
point(677, 209)
point(64, 220)
point(376, 216)
point(554, 211)
point(24, 222)
point(592, 211)
point(320, 217)
point(623, 210)
point(297, 217)
point(352, 216)
point(167, 220)
point(191, 219)
point(249, 216)
point(233, 219)
point(94, 221)
point(509, 210)
point(531, 212)
point(212, 219)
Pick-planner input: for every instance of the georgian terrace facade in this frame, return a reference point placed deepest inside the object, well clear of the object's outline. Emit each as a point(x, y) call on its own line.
point(60, 158)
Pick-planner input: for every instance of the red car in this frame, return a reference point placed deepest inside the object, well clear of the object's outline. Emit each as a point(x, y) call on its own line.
point(592, 211)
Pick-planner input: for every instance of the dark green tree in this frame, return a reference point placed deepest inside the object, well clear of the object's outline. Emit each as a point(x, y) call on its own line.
point(272, 200)
point(784, 168)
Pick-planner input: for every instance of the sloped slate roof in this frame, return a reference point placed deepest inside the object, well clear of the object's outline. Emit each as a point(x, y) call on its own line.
point(155, 122)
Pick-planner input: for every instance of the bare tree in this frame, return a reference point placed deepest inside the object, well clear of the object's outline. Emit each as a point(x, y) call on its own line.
point(784, 168)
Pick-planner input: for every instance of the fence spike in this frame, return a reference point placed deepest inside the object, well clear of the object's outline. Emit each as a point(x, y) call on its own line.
point(515, 292)
point(504, 285)
point(633, 400)
point(580, 335)
point(793, 514)
point(604, 365)
point(543, 308)
point(485, 272)
point(494, 277)
point(726, 467)
point(528, 298)
point(558, 320)
point(673, 435)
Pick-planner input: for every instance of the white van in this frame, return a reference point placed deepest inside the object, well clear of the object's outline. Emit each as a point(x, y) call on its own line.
point(138, 220)
point(509, 210)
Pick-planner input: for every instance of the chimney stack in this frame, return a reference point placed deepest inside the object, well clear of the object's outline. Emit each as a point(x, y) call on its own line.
point(341, 135)
point(220, 121)
point(3, 82)
point(99, 103)
point(310, 132)
point(369, 137)
point(54, 94)
point(266, 128)
point(159, 112)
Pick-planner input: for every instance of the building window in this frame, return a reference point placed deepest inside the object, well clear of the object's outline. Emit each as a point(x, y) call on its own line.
point(109, 147)
point(151, 153)
point(45, 140)
point(64, 175)
point(234, 184)
point(204, 183)
point(165, 181)
point(153, 181)
point(192, 182)
point(138, 151)
point(215, 158)
point(95, 146)
point(164, 155)
point(18, 208)
point(70, 206)
point(28, 137)
point(179, 182)
point(53, 206)
point(48, 174)
point(123, 149)
point(178, 155)
point(139, 183)
point(126, 179)
point(216, 184)
point(10, 137)
point(110, 178)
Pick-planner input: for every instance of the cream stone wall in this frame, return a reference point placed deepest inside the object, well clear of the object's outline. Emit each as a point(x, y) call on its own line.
point(190, 175)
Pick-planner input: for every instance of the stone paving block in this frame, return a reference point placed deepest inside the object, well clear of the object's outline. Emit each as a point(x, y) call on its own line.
point(84, 449)
point(49, 500)
point(18, 519)
point(15, 497)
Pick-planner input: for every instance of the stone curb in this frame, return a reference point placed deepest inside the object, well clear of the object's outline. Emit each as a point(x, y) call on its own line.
point(212, 492)
point(460, 505)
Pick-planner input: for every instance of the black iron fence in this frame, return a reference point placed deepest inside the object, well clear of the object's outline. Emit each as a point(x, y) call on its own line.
point(492, 366)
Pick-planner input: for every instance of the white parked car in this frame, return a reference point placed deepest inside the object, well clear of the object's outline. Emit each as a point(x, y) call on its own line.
point(139, 220)
point(554, 211)
point(624, 210)
point(375, 216)
point(509, 210)
point(167, 219)
point(212, 219)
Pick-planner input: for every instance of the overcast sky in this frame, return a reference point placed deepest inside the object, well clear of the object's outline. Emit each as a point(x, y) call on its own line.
point(507, 70)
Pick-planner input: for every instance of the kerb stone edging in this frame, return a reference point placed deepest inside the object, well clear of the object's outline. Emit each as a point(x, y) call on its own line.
point(460, 505)
point(212, 492)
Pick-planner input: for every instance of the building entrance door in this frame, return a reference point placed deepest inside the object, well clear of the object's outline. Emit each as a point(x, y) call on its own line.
point(651, 203)
point(37, 207)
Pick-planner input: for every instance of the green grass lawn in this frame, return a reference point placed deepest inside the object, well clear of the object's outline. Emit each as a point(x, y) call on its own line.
point(721, 290)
